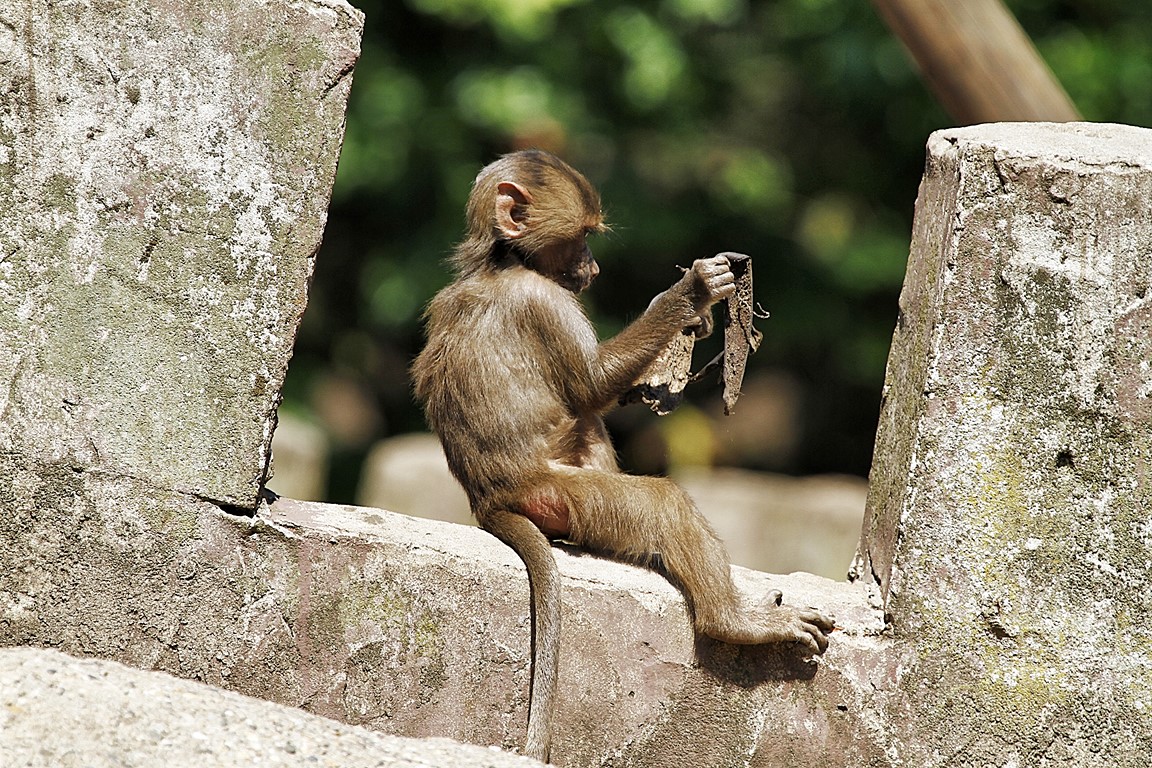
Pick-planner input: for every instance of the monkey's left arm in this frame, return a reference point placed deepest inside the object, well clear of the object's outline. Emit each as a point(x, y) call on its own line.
point(661, 387)
point(620, 361)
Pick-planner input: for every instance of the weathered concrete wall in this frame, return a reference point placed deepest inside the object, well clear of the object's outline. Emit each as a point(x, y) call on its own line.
point(56, 710)
point(421, 628)
point(164, 178)
point(162, 183)
point(1010, 516)
point(164, 171)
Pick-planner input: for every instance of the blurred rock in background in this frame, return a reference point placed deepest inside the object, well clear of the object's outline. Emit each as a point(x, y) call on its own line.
point(408, 474)
point(299, 459)
point(782, 524)
point(769, 522)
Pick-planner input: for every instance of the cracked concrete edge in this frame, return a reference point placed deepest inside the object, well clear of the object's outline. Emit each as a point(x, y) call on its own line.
point(56, 710)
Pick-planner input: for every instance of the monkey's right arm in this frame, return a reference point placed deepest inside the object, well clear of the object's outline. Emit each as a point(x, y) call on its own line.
point(620, 361)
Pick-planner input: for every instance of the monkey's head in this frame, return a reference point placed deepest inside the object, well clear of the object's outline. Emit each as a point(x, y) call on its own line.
point(532, 208)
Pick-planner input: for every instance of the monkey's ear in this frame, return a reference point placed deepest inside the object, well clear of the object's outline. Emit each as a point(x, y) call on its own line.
point(512, 202)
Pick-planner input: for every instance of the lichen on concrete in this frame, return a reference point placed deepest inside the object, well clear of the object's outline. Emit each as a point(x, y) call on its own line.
point(167, 171)
point(1019, 504)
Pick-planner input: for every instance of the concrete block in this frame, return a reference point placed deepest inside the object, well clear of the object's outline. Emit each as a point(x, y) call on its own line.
point(1009, 521)
point(165, 172)
point(58, 710)
point(421, 628)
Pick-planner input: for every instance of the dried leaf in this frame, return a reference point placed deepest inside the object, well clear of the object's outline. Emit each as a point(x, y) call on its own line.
point(662, 386)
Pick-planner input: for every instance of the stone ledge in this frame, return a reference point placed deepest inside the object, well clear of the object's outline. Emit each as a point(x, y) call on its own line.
point(419, 628)
point(60, 710)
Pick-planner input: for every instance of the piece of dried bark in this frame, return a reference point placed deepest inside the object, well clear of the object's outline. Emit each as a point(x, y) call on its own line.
point(740, 337)
point(661, 387)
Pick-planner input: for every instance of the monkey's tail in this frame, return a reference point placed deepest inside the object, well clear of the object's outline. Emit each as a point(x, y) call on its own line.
point(522, 535)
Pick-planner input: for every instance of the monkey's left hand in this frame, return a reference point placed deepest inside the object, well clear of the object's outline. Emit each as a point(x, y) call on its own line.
point(709, 281)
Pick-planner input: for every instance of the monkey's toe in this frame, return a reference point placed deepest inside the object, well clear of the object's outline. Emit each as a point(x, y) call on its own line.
point(812, 616)
point(812, 640)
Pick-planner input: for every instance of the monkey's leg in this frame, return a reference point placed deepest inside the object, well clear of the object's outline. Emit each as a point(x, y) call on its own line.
point(637, 517)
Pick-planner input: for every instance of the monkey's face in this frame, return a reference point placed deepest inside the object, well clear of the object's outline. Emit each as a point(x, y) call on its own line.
point(569, 263)
point(545, 218)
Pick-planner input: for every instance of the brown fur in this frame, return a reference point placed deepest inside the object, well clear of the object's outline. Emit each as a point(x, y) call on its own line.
point(514, 382)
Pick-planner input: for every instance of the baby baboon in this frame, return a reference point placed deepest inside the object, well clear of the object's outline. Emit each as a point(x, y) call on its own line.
point(515, 383)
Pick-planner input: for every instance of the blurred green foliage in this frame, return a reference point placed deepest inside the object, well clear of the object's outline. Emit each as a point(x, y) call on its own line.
point(792, 130)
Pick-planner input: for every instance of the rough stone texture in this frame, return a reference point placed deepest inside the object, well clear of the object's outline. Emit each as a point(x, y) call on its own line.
point(153, 257)
point(420, 628)
point(1010, 515)
point(56, 710)
point(164, 178)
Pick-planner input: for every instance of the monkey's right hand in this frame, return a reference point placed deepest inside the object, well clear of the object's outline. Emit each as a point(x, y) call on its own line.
point(709, 281)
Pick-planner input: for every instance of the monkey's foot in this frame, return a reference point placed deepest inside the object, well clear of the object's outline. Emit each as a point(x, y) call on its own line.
point(774, 623)
point(808, 627)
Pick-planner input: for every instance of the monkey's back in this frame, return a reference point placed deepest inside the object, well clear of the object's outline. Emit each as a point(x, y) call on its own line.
point(492, 374)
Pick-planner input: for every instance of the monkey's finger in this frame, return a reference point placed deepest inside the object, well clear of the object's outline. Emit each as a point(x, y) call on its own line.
point(702, 328)
point(718, 281)
point(723, 291)
point(718, 292)
point(721, 278)
point(816, 637)
point(715, 265)
point(708, 269)
point(821, 640)
point(718, 259)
